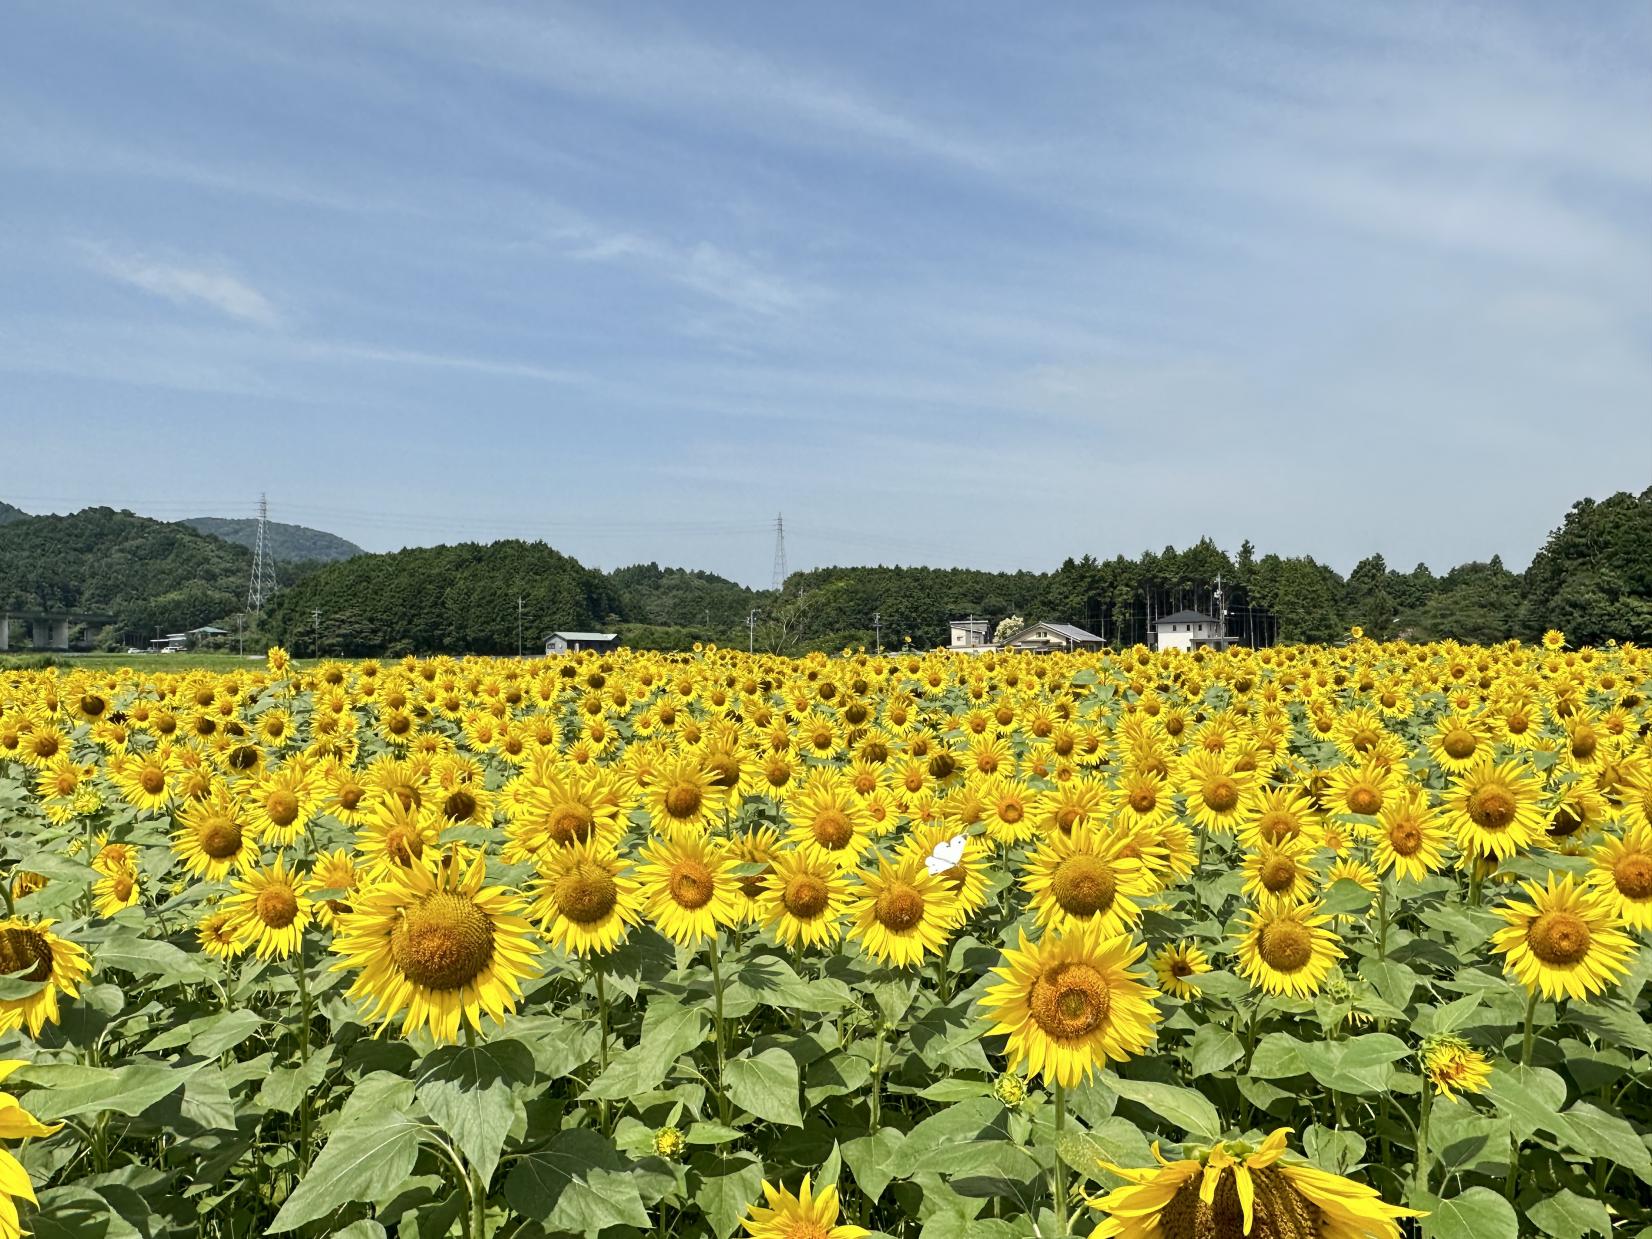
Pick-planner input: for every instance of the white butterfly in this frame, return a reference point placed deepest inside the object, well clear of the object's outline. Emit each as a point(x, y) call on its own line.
point(946, 855)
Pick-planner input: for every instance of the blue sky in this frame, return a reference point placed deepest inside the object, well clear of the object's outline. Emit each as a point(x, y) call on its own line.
point(945, 283)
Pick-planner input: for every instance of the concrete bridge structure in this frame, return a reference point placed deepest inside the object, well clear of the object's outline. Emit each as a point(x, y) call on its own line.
point(49, 629)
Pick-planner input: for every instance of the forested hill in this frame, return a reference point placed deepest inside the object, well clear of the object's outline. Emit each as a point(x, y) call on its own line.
point(145, 573)
point(9, 513)
point(287, 543)
point(455, 599)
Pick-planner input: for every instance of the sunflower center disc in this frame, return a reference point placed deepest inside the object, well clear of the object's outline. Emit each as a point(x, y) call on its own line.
point(46, 746)
point(1070, 1000)
point(123, 887)
point(1633, 876)
point(221, 838)
point(587, 894)
point(1144, 799)
point(682, 801)
point(443, 942)
point(806, 896)
point(1458, 743)
point(1566, 821)
point(1279, 1211)
point(832, 829)
point(691, 885)
point(25, 948)
point(459, 806)
point(283, 807)
point(1559, 938)
point(1011, 812)
point(1363, 798)
point(1406, 838)
point(1067, 818)
point(1084, 885)
point(1274, 826)
point(402, 846)
point(1492, 807)
point(1584, 743)
point(1278, 873)
point(900, 907)
point(277, 906)
point(1285, 945)
point(725, 771)
point(1364, 740)
point(152, 780)
point(804, 1228)
point(571, 823)
point(1221, 794)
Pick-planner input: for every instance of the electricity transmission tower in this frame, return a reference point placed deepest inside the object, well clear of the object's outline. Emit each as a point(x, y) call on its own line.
point(779, 552)
point(262, 584)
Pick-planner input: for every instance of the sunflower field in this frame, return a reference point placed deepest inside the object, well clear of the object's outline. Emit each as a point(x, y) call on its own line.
point(1292, 943)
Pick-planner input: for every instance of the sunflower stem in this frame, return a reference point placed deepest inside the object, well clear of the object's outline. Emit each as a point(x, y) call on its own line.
point(602, 1039)
point(1420, 1170)
point(478, 1189)
point(1382, 918)
point(1058, 1176)
point(1526, 1040)
point(301, 977)
point(717, 1033)
point(875, 1105)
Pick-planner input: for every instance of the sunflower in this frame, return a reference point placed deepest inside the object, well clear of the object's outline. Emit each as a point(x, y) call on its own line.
point(395, 835)
point(282, 803)
point(1453, 1066)
point(1409, 835)
point(1279, 814)
point(1142, 800)
point(115, 891)
point(1622, 870)
point(963, 868)
point(1579, 811)
point(829, 821)
point(1177, 965)
point(556, 804)
point(1078, 802)
point(1457, 741)
point(1070, 1003)
point(217, 932)
point(902, 912)
point(1286, 949)
point(1495, 808)
point(1008, 809)
point(1086, 879)
point(16, 1123)
point(333, 871)
point(1216, 794)
point(31, 949)
point(804, 900)
point(583, 900)
point(1237, 1190)
point(215, 835)
point(1280, 871)
point(146, 781)
point(272, 909)
point(689, 887)
point(681, 797)
point(1361, 790)
point(753, 852)
point(803, 1216)
point(1568, 942)
point(433, 944)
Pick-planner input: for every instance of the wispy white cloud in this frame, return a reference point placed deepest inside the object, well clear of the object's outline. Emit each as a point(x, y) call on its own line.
point(185, 284)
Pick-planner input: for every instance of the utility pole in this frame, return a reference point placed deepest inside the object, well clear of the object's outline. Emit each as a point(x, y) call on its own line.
point(877, 631)
point(1221, 615)
point(751, 631)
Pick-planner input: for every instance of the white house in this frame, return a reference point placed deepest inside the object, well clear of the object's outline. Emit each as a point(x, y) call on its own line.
point(972, 635)
point(569, 642)
point(1049, 638)
point(1188, 630)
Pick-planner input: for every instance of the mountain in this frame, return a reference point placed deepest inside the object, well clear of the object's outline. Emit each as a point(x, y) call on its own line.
point(464, 599)
point(146, 574)
point(9, 513)
point(287, 543)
